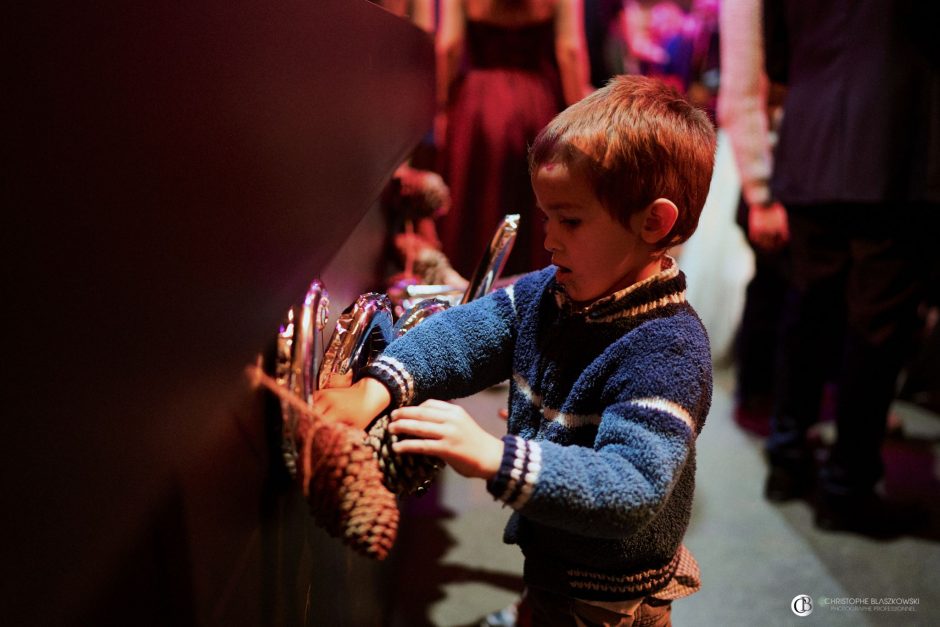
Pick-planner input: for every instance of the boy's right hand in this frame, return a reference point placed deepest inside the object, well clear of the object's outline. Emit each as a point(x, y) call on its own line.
point(356, 405)
point(447, 431)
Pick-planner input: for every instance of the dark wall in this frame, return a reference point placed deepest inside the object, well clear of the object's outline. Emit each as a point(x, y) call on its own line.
point(176, 174)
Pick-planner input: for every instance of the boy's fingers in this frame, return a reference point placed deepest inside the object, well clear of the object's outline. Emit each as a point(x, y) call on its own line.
point(416, 428)
point(419, 413)
point(433, 402)
point(418, 447)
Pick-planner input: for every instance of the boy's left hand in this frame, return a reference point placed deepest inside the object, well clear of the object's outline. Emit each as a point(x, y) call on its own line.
point(356, 405)
point(446, 431)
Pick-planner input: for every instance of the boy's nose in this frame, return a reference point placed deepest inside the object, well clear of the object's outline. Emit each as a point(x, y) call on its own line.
point(550, 243)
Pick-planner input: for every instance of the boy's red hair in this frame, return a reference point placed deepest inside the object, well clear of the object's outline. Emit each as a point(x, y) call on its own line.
point(636, 140)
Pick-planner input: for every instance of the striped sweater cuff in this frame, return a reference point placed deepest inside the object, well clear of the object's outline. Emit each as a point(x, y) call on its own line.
point(518, 473)
point(395, 377)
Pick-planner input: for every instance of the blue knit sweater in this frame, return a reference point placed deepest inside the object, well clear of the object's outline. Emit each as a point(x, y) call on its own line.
point(605, 405)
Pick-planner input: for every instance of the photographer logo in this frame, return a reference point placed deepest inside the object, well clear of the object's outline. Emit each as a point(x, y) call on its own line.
point(802, 605)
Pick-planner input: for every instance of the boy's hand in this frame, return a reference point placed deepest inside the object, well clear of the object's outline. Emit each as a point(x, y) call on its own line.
point(356, 405)
point(446, 431)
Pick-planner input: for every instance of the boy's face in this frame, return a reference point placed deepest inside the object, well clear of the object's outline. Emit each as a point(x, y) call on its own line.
point(595, 254)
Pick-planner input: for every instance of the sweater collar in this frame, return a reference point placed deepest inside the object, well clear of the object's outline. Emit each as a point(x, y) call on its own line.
point(663, 288)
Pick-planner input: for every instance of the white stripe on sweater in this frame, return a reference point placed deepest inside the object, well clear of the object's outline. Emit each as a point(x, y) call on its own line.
point(511, 293)
point(669, 407)
point(400, 374)
point(574, 421)
point(571, 421)
point(670, 299)
point(518, 463)
point(531, 477)
point(526, 466)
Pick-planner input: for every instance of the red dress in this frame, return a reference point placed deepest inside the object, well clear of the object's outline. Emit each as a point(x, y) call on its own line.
point(509, 90)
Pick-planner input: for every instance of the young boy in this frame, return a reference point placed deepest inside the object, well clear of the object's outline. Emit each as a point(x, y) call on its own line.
point(609, 366)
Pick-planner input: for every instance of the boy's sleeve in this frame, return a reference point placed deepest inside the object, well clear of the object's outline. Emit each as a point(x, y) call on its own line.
point(452, 354)
point(660, 392)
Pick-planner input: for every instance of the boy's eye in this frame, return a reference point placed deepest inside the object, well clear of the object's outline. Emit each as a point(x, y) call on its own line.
point(570, 222)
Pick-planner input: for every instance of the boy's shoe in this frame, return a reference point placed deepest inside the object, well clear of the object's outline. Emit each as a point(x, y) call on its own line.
point(517, 614)
point(506, 617)
point(867, 514)
point(788, 482)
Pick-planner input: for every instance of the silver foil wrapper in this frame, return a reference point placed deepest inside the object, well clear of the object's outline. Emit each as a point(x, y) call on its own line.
point(362, 331)
point(406, 475)
point(494, 259)
point(299, 347)
point(414, 294)
point(418, 313)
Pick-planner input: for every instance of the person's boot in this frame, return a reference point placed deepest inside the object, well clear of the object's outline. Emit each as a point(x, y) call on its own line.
point(866, 514)
point(790, 480)
point(752, 414)
point(786, 484)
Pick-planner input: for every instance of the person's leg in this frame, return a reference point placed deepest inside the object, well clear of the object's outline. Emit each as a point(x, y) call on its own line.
point(756, 344)
point(808, 345)
point(884, 290)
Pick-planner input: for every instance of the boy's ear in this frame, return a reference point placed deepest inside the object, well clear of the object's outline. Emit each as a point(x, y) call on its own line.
point(658, 219)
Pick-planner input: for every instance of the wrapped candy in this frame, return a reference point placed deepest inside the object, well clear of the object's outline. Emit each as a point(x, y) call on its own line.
point(412, 474)
point(350, 481)
point(405, 474)
point(341, 478)
point(344, 487)
point(418, 313)
point(299, 347)
point(494, 259)
point(362, 331)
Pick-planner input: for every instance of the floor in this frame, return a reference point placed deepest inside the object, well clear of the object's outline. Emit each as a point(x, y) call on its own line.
point(755, 557)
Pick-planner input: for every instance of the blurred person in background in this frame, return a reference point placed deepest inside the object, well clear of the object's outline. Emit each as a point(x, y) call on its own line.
point(505, 69)
point(606, 40)
point(677, 45)
point(744, 114)
point(857, 167)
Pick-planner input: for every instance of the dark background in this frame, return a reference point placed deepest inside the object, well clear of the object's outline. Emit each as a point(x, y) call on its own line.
point(176, 174)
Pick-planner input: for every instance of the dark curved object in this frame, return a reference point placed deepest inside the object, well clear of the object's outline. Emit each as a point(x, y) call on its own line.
point(175, 174)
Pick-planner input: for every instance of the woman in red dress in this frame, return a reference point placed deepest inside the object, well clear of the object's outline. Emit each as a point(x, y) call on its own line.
point(505, 68)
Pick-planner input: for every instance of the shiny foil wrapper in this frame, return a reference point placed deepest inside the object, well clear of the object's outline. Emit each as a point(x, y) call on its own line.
point(494, 259)
point(299, 346)
point(406, 475)
point(362, 331)
point(418, 313)
point(414, 294)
